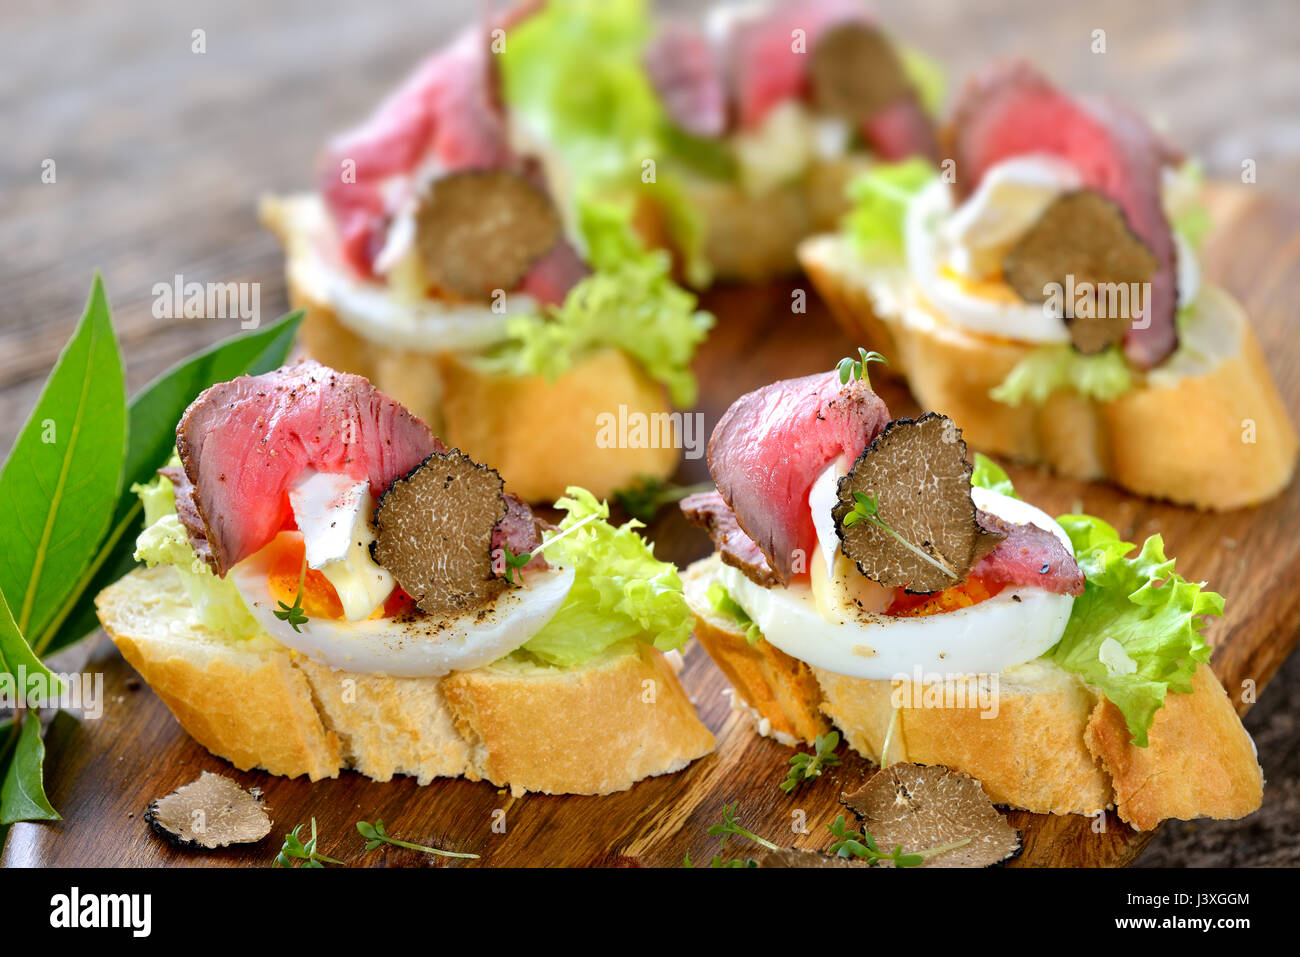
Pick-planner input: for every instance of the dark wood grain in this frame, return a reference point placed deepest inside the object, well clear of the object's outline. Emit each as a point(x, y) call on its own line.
point(103, 774)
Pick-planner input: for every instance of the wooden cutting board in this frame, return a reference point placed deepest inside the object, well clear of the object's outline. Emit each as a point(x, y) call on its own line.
point(102, 774)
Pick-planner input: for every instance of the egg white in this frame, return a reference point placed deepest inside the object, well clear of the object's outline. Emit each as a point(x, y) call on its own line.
point(371, 311)
point(1022, 322)
point(406, 649)
point(1015, 626)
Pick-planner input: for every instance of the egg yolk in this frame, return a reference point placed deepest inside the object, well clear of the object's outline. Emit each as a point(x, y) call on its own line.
point(970, 592)
point(319, 599)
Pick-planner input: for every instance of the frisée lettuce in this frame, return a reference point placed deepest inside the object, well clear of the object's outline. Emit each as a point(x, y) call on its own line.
point(1135, 634)
point(620, 590)
point(1153, 613)
point(216, 601)
point(630, 302)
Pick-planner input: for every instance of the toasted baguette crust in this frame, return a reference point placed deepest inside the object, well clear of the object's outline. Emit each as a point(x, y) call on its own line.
point(547, 435)
point(1030, 754)
point(542, 434)
point(781, 689)
point(1200, 762)
point(1217, 440)
point(258, 704)
point(1038, 739)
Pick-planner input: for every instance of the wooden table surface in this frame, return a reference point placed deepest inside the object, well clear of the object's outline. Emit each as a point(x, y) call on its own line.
point(160, 153)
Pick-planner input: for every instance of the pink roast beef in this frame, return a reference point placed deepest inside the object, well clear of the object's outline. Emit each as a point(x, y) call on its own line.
point(771, 445)
point(242, 444)
point(448, 113)
point(1010, 110)
point(1029, 555)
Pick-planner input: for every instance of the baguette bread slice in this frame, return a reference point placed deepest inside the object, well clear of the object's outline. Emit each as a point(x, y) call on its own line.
point(533, 728)
point(542, 433)
point(1208, 432)
point(1035, 736)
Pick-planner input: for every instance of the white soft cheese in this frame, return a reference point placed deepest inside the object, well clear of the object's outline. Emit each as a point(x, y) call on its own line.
point(954, 255)
point(333, 513)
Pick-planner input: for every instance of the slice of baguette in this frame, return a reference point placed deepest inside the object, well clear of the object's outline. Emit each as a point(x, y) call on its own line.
point(533, 728)
point(541, 433)
point(1213, 434)
point(1035, 736)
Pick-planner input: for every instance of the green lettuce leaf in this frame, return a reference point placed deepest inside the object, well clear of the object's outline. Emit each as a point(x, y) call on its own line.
point(621, 590)
point(572, 75)
point(926, 76)
point(1141, 604)
point(727, 606)
point(630, 302)
point(988, 474)
point(22, 796)
point(215, 600)
point(880, 196)
point(1187, 212)
point(1103, 376)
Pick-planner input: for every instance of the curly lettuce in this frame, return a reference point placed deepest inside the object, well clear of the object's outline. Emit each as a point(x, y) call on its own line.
point(926, 76)
point(1135, 634)
point(728, 607)
point(1184, 206)
point(988, 474)
point(215, 600)
point(1046, 369)
point(620, 592)
point(879, 198)
point(630, 303)
point(573, 76)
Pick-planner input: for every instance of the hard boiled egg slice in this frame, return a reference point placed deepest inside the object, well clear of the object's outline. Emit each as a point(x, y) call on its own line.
point(333, 513)
point(405, 646)
point(1015, 626)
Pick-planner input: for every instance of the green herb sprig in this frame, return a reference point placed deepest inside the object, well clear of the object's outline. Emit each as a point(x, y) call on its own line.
point(643, 499)
point(862, 845)
point(295, 849)
point(376, 836)
point(805, 767)
point(856, 369)
point(867, 509)
point(294, 614)
point(515, 563)
point(731, 827)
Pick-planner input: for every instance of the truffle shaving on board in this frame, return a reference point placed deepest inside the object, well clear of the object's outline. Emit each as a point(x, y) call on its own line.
point(804, 857)
point(211, 811)
point(480, 231)
point(434, 533)
point(1083, 237)
point(905, 515)
point(927, 807)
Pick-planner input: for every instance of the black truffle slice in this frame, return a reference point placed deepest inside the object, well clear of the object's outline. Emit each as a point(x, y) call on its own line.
point(917, 475)
point(211, 811)
point(802, 857)
point(1083, 234)
point(434, 533)
point(481, 230)
point(855, 72)
point(921, 808)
